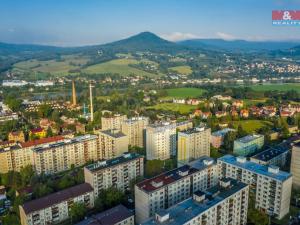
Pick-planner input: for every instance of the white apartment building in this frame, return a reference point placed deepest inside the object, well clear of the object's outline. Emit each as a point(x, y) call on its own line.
point(112, 121)
point(135, 129)
point(225, 203)
point(271, 186)
point(192, 144)
point(160, 141)
point(112, 143)
point(117, 172)
point(55, 208)
point(170, 188)
point(295, 165)
point(56, 157)
point(275, 155)
point(50, 155)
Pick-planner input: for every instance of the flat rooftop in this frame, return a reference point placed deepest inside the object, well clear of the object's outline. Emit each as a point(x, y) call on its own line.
point(109, 217)
point(113, 133)
point(194, 130)
point(56, 198)
point(136, 119)
point(255, 168)
point(172, 176)
point(191, 208)
point(126, 157)
point(162, 125)
point(249, 138)
point(272, 152)
point(10, 148)
point(65, 142)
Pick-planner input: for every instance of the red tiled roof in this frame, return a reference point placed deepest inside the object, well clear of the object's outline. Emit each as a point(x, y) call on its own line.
point(165, 178)
point(41, 141)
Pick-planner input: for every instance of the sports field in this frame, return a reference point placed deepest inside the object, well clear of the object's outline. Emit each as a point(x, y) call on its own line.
point(184, 92)
point(181, 108)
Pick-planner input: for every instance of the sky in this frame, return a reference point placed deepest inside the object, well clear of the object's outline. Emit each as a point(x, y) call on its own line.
point(87, 22)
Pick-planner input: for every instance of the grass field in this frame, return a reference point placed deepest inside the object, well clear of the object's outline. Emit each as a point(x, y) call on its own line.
point(52, 66)
point(251, 125)
point(181, 108)
point(277, 87)
point(250, 102)
point(120, 66)
point(184, 92)
point(185, 70)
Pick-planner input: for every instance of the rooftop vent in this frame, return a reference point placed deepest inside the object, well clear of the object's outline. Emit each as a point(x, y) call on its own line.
point(208, 162)
point(225, 183)
point(162, 217)
point(126, 155)
point(273, 169)
point(102, 163)
point(157, 184)
point(241, 159)
point(183, 173)
point(199, 196)
point(200, 128)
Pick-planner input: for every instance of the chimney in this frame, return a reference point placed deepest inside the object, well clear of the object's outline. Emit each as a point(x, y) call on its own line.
point(91, 102)
point(74, 101)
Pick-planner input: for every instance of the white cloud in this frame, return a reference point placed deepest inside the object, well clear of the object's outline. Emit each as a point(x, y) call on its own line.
point(178, 36)
point(225, 36)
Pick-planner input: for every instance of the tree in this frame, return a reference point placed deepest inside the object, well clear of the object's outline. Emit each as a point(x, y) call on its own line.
point(49, 132)
point(11, 179)
point(110, 197)
point(13, 103)
point(291, 120)
point(66, 181)
point(254, 215)
point(228, 140)
point(154, 167)
point(26, 173)
point(45, 110)
point(11, 219)
point(285, 128)
point(77, 212)
point(241, 132)
point(41, 190)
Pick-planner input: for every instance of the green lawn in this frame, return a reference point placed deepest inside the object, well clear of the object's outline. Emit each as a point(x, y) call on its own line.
point(120, 66)
point(184, 92)
point(251, 125)
point(277, 87)
point(250, 102)
point(181, 108)
point(185, 70)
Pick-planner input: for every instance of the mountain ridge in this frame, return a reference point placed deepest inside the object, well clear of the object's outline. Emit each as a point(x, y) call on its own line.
point(239, 45)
